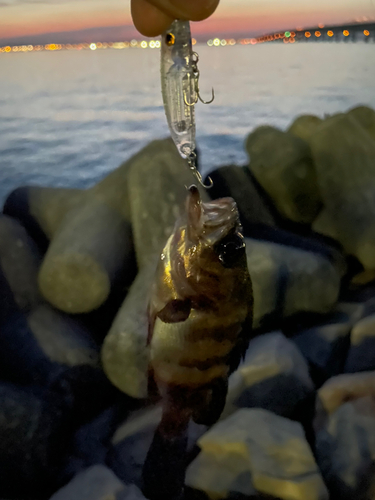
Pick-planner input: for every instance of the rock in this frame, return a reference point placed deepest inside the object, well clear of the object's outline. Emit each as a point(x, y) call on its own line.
point(20, 261)
point(125, 354)
point(42, 344)
point(95, 483)
point(130, 493)
point(325, 224)
point(361, 356)
point(131, 442)
point(41, 209)
point(158, 178)
point(350, 312)
point(343, 388)
point(363, 278)
point(366, 117)
point(83, 392)
point(92, 440)
point(62, 339)
point(33, 439)
point(238, 183)
point(344, 155)
point(345, 450)
point(304, 125)
point(255, 449)
point(54, 351)
point(88, 253)
point(325, 348)
point(220, 474)
point(273, 376)
point(287, 281)
point(282, 164)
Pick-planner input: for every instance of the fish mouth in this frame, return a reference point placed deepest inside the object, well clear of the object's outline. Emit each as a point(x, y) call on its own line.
point(212, 221)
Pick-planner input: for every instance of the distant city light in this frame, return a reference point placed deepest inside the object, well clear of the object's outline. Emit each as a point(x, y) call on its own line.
point(286, 37)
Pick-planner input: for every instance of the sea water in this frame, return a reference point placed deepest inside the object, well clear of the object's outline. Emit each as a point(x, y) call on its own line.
point(68, 118)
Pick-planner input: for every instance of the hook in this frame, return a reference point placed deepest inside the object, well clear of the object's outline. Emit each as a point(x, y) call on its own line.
point(207, 102)
point(196, 73)
point(190, 103)
point(200, 180)
point(192, 158)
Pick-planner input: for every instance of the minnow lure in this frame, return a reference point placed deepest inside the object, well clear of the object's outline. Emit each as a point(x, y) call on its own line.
point(180, 89)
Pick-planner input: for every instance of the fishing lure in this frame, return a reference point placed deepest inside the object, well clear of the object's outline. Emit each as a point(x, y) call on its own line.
point(180, 90)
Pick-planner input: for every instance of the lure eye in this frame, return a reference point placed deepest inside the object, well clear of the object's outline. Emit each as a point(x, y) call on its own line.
point(230, 249)
point(169, 39)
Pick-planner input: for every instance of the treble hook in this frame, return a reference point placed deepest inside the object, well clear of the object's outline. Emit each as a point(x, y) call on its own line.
point(191, 161)
point(196, 85)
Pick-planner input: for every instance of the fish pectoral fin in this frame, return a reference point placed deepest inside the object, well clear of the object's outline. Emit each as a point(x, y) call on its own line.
point(175, 311)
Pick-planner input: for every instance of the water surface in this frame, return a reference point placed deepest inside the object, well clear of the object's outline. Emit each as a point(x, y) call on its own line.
point(68, 118)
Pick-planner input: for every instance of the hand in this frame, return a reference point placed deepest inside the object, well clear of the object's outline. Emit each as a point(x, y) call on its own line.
point(152, 17)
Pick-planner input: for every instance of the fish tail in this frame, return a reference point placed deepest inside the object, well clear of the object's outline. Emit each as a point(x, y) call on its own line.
point(163, 474)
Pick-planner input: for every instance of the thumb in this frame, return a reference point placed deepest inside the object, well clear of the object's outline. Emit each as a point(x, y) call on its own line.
point(152, 17)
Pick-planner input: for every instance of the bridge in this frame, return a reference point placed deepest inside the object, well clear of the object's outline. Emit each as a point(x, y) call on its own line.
point(358, 32)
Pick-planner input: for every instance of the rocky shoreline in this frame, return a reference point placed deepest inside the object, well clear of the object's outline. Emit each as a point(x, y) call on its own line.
point(76, 268)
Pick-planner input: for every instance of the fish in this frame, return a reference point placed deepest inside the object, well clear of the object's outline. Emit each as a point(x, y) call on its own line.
point(200, 325)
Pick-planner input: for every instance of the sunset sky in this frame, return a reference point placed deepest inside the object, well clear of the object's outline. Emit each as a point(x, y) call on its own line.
point(110, 19)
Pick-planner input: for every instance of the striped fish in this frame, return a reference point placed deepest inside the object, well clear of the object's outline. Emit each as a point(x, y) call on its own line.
point(200, 320)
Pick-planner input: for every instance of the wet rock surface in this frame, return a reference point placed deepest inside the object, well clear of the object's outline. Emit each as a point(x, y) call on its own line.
point(96, 483)
point(343, 153)
point(282, 164)
point(273, 376)
point(345, 449)
point(288, 280)
point(78, 409)
point(260, 450)
point(325, 348)
point(361, 356)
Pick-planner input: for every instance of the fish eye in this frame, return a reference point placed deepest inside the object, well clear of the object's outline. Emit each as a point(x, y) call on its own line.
point(169, 39)
point(230, 249)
